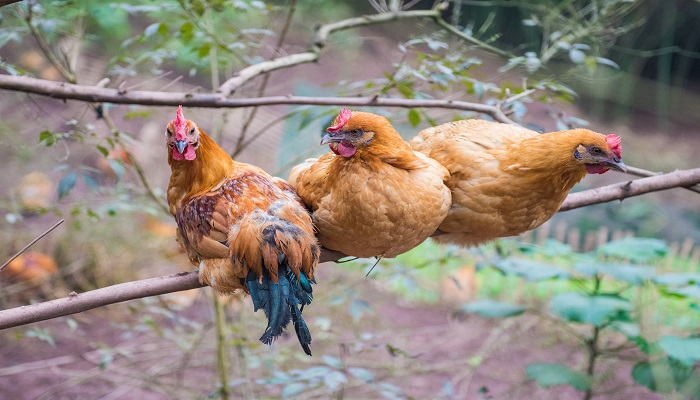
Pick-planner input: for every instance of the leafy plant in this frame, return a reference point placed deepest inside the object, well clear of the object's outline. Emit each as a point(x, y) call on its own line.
point(603, 301)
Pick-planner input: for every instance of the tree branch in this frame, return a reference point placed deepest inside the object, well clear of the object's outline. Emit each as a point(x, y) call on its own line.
point(620, 191)
point(8, 2)
point(61, 90)
point(319, 41)
point(76, 303)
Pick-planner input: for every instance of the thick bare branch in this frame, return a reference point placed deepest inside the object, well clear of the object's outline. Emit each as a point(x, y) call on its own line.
point(7, 2)
point(76, 303)
point(619, 191)
point(61, 90)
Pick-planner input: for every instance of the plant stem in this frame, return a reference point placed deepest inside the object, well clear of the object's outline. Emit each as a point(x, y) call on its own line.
point(593, 354)
point(221, 360)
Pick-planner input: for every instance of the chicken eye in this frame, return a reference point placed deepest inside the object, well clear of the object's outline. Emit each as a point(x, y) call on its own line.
point(355, 131)
point(168, 132)
point(192, 131)
point(596, 150)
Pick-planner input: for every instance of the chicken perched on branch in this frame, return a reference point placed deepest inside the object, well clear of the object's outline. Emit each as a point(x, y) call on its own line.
point(245, 229)
point(505, 179)
point(372, 195)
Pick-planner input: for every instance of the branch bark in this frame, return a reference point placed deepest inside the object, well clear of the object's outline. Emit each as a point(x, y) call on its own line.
point(620, 191)
point(69, 91)
point(7, 2)
point(75, 303)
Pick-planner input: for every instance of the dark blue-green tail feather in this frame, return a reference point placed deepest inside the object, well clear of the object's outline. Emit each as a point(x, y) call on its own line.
point(281, 302)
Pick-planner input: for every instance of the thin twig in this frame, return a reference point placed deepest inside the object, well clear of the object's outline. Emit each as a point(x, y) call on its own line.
point(266, 79)
point(31, 243)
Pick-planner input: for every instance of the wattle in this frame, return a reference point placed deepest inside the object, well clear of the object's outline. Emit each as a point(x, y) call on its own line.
point(596, 169)
point(346, 150)
point(189, 155)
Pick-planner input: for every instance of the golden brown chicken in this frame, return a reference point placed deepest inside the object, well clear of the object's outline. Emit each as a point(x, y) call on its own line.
point(372, 195)
point(505, 179)
point(245, 229)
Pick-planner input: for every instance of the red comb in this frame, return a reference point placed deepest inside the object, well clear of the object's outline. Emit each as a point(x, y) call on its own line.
point(180, 125)
point(340, 120)
point(614, 143)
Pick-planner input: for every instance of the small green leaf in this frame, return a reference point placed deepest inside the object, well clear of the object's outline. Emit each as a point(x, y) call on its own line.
point(66, 184)
point(685, 350)
point(118, 168)
point(47, 138)
point(103, 150)
point(549, 374)
point(334, 380)
point(331, 361)
point(674, 377)
point(358, 308)
point(692, 291)
point(413, 117)
point(153, 29)
point(362, 374)
point(630, 273)
point(493, 309)
point(532, 271)
point(89, 181)
point(678, 278)
point(635, 249)
point(595, 310)
point(292, 389)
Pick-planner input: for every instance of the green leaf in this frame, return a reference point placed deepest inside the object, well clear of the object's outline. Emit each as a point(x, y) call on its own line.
point(692, 291)
point(413, 117)
point(292, 389)
point(674, 376)
point(118, 168)
point(629, 273)
point(549, 374)
point(103, 150)
point(362, 374)
point(66, 184)
point(685, 350)
point(152, 29)
point(42, 334)
point(358, 308)
point(89, 181)
point(678, 278)
point(634, 249)
point(47, 138)
point(595, 310)
point(530, 270)
point(334, 380)
point(493, 309)
point(186, 32)
point(332, 361)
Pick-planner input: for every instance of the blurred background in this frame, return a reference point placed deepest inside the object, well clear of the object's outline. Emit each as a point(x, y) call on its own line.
point(600, 302)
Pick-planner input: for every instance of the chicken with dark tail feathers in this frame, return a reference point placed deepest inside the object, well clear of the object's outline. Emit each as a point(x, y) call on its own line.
point(245, 229)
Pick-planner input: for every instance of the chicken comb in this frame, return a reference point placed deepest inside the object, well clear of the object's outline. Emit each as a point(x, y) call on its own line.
point(614, 143)
point(180, 125)
point(340, 120)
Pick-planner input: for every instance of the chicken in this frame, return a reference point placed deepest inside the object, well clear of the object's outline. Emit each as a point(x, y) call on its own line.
point(372, 196)
point(505, 179)
point(245, 229)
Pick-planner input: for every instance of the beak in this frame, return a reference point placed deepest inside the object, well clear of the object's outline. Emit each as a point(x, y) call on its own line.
point(180, 145)
point(333, 137)
point(617, 164)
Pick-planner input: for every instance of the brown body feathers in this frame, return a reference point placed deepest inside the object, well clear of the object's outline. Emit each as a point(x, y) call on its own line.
point(505, 179)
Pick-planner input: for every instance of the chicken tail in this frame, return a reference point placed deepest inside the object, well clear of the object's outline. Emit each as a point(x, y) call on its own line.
point(279, 266)
point(282, 301)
